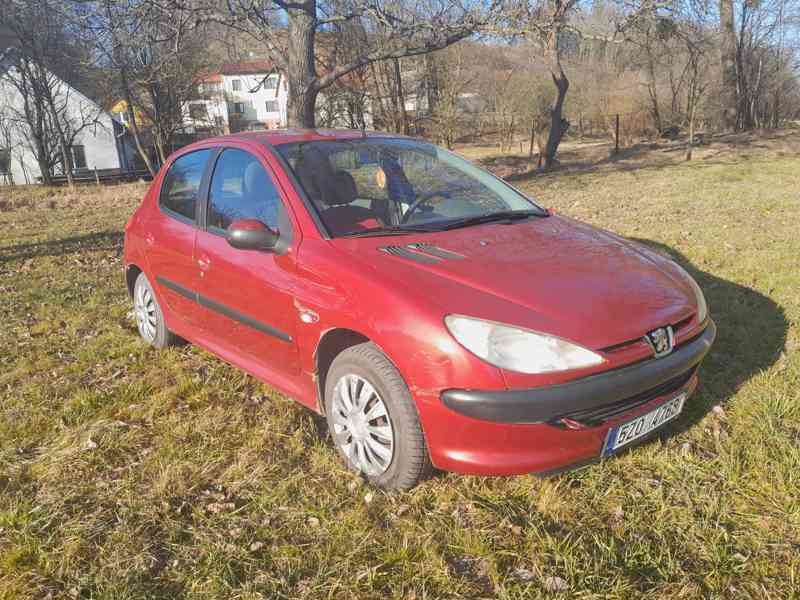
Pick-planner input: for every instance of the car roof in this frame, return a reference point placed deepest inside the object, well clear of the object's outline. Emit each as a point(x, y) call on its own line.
point(276, 137)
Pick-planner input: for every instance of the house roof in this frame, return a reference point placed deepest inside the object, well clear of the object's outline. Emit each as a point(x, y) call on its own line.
point(252, 67)
point(211, 78)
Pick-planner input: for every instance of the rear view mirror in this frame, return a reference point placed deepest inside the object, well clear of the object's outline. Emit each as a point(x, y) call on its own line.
point(251, 234)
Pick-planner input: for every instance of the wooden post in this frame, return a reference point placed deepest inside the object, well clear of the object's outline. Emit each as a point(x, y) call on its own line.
point(533, 138)
point(616, 135)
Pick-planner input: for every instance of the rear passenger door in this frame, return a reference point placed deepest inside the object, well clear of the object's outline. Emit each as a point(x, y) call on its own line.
point(246, 295)
point(171, 237)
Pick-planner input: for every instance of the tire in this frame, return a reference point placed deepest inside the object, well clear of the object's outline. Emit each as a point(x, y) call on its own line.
point(149, 317)
point(351, 372)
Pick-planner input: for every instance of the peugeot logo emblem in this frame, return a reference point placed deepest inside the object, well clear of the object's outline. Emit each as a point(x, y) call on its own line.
point(661, 340)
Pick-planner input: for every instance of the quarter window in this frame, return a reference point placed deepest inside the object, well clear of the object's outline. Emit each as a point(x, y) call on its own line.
point(182, 183)
point(241, 189)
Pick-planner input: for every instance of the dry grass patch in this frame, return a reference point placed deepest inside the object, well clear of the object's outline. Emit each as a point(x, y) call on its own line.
point(131, 473)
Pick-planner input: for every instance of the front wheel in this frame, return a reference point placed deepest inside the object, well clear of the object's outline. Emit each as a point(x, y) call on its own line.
point(373, 419)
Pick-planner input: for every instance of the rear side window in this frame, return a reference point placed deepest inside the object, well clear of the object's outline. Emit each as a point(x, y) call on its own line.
point(182, 184)
point(241, 189)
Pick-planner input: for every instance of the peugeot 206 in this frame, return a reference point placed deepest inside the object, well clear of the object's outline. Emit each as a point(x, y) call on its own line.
point(436, 316)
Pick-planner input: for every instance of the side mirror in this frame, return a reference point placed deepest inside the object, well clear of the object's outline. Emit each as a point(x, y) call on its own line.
point(251, 234)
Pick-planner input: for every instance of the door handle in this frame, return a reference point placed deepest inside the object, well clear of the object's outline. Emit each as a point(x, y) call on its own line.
point(204, 262)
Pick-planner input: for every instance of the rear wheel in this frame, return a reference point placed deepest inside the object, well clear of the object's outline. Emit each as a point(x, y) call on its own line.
point(149, 318)
point(373, 419)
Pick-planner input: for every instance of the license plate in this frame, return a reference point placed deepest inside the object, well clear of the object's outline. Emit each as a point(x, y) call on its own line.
point(624, 434)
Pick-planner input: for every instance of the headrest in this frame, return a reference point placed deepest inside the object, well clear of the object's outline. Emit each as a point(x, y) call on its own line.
point(342, 189)
point(325, 186)
point(255, 178)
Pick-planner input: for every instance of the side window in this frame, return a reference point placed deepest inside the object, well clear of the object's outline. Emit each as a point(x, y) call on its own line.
point(241, 189)
point(182, 183)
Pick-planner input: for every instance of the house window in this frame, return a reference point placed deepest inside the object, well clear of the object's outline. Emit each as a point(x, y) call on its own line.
point(238, 108)
point(271, 83)
point(198, 111)
point(5, 160)
point(272, 106)
point(78, 156)
point(236, 85)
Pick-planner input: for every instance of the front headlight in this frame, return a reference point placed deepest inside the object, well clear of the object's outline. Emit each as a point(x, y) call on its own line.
point(702, 307)
point(518, 349)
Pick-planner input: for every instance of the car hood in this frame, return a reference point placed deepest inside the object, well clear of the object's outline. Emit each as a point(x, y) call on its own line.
point(550, 274)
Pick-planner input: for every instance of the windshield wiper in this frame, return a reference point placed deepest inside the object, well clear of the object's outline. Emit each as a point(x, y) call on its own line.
point(503, 216)
point(395, 230)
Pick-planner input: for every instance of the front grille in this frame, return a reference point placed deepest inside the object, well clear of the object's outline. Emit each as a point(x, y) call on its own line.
point(592, 417)
point(677, 329)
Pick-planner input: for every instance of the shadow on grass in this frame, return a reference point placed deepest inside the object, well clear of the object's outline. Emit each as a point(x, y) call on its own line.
point(102, 240)
point(751, 335)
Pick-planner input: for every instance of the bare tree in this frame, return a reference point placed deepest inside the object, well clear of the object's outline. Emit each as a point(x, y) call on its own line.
point(156, 57)
point(393, 29)
point(38, 27)
point(46, 51)
point(728, 76)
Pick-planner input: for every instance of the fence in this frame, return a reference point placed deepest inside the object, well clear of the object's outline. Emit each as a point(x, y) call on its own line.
point(101, 176)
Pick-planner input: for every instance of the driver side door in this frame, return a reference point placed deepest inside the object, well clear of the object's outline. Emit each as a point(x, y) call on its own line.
point(246, 295)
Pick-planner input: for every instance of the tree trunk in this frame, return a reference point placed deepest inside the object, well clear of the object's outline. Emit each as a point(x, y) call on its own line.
point(302, 75)
point(562, 85)
point(692, 112)
point(401, 99)
point(652, 90)
point(728, 97)
point(66, 159)
point(134, 125)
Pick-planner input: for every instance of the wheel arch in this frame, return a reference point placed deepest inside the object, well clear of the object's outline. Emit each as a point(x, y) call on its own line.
point(132, 271)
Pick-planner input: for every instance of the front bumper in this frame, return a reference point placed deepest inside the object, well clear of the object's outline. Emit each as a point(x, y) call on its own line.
point(547, 403)
point(525, 434)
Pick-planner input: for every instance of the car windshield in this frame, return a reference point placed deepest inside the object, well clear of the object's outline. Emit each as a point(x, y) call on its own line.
point(382, 185)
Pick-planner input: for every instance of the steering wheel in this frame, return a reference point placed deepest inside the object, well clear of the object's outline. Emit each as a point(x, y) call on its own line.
point(420, 200)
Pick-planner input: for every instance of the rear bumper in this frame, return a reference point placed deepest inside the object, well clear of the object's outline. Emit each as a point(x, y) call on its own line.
point(543, 404)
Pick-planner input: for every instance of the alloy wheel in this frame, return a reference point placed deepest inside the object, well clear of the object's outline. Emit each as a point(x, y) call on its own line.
point(144, 307)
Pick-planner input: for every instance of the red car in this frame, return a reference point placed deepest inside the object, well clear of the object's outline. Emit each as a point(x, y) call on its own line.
point(435, 315)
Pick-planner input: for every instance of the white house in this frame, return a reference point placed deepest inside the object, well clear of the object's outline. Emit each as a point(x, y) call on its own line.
point(207, 112)
point(96, 139)
point(239, 97)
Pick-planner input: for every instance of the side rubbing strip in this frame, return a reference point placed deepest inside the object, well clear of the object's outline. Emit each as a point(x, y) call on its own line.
point(178, 289)
point(244, 319)
point(224, 310)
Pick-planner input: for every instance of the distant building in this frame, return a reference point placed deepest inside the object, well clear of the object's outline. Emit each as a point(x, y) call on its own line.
point(97, 140)
point(241, 96)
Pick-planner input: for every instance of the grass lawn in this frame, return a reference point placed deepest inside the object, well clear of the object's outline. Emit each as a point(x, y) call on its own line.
point(131, 473)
